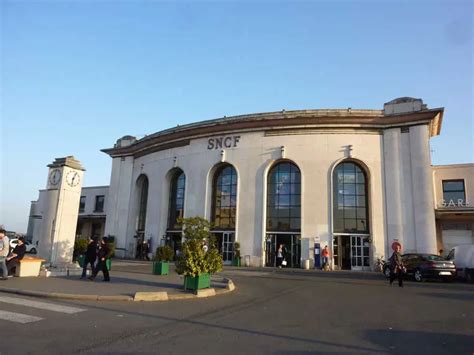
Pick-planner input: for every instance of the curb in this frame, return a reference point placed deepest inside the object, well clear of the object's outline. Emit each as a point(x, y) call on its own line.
point(137, 297)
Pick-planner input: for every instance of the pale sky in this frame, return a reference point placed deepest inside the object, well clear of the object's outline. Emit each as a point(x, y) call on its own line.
point(77, 75)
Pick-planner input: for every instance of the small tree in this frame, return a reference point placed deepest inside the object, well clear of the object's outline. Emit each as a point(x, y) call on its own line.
point(164, 253)
point(194, 259)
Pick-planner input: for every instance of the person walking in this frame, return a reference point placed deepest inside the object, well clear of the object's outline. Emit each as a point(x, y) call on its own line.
point(103, 255)
point(397, 269)
point(280, 256)
point(91, 256)
point(325, 255)
point(4, 249)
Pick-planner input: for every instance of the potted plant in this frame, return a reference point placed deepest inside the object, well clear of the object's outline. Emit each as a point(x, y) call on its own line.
point(164, 255)
point(80, 248)
point(199, 257)
point(236, 256)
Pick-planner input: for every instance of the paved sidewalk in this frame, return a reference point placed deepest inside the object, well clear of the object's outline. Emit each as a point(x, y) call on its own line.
point(127, 278)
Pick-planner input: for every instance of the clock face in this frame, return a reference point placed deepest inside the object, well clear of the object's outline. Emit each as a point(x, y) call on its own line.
point(72, 178)
point(55, 177)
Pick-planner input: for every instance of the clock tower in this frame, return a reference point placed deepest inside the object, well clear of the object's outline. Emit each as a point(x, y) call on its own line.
point(60, 211)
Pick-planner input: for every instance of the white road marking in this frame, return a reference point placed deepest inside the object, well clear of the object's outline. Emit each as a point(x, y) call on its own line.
point(41, 305)
point(18, 317)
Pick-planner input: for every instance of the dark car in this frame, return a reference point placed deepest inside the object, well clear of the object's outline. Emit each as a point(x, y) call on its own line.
point(426, 266)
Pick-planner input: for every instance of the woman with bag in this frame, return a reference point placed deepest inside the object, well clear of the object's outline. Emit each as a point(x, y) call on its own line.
point(280, 256)
point(397, 269)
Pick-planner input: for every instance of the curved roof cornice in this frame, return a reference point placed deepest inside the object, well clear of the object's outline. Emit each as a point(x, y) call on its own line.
point(327, 118)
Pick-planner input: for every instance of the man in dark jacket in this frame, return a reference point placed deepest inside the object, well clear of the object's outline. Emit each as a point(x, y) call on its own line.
point(91, 256)
point(103, 255)
point(396, 265)
point(16, 255)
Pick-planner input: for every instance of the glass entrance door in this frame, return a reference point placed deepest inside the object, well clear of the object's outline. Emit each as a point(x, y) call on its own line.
point(360, 248)
point(225, 244)
point(291, 246)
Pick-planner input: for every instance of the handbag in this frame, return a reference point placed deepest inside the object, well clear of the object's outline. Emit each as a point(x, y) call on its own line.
point(284, 262)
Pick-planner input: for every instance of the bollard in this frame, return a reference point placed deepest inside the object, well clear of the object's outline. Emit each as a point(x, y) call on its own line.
point(306, 264)
point(247, 260)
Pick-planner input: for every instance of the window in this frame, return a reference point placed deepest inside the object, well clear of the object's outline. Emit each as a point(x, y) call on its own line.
point(453, 191)
point(82, 204)
point(176, 204)
point(457, 226)
point(350, 204)
point(99, 203)
point(284, 198)
point(142, 183)
point(224, 197)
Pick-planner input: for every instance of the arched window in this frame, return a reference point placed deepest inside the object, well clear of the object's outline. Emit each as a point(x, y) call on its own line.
point(224, 197)
point(350, 204)
point(176, 203)
point(284, 198)
point(142, 183)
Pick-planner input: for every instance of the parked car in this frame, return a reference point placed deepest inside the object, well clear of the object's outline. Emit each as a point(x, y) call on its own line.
point(30, 248)
point(463, 258)
point(426, 266)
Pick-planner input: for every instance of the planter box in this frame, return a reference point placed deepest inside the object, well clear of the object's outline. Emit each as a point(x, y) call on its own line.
point(198, 282)
point(161, 267)
point(236, 262)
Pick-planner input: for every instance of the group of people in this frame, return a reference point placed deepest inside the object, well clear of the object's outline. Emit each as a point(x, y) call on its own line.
point(96, 256)
point(9, 259)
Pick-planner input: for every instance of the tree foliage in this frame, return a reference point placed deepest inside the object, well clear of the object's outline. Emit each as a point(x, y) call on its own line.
point(194, 259)
point(164, 253)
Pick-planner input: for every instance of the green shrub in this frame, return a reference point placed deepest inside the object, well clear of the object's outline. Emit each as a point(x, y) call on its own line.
point(164, 253)
point(193, 259)
point(236, 251)
point(80, 246)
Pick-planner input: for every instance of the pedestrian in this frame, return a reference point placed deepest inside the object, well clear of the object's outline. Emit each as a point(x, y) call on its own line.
point(13, 260)
point(280, 256)
point(397, 269)
point(103, 255)
point(325, 255)
point(91, 256)
point(4, 249)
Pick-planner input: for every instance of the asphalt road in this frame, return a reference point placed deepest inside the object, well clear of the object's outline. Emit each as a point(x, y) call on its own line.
point(269, 313)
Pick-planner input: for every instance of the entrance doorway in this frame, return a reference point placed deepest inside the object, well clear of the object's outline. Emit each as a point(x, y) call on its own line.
point(292, 247)
point(351, 252)
point(225, 244)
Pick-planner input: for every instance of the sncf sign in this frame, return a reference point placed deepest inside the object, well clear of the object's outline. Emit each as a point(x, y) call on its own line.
point(223, 142)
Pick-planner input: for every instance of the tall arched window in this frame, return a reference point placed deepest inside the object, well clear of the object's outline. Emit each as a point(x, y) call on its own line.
point(351, 246)
point(176, 203)
point(224, 200)
point(350, 199)
point(284, 198)
point(283, 214)
point(142, 183)
point(224, 209)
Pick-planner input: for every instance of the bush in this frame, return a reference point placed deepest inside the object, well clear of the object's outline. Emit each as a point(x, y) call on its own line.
point(194, 259)
point(164, 253)
point(236, 251)
point(80, 246)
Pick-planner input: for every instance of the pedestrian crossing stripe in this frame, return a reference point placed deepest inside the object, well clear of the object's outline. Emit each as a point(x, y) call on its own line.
point(41, 305)
point(18, 317)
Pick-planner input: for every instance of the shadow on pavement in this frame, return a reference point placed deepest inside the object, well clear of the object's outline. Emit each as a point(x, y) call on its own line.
point(409, 342)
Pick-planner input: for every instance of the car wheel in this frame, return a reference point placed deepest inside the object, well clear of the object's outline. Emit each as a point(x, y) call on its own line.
point(33, 251)
point(386, 272)
point(418, 276)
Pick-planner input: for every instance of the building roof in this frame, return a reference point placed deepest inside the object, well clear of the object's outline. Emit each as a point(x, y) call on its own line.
point(299, 119)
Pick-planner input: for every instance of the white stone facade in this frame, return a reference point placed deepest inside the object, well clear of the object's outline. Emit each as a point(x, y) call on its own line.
point(392, 150)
